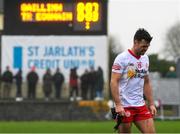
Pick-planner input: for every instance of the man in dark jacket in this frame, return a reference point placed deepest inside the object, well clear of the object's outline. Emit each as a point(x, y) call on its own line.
point(58, 80)
point(18, 79)
point(92, 83)
point(32, 79)
point(84, 85)
point(47, 84)
point(7, 78)
point(99, 84)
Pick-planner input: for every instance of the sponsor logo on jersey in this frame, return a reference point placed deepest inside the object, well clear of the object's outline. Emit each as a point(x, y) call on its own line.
point(136, 71)
point(131, 73)
point(130, 64)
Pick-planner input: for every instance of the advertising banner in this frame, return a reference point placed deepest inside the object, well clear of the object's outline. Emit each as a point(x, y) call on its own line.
point(64, 52)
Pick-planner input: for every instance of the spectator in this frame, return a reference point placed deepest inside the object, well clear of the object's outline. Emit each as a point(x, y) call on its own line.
point(73, 84)
point(18, 79)
point(84, 85)
point(7, 78)
point(92, 82)
point(32, 79)
point(99, 84)
point(58, 80)
point(47, 84)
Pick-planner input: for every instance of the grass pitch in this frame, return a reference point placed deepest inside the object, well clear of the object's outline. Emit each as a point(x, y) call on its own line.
point(78, 127)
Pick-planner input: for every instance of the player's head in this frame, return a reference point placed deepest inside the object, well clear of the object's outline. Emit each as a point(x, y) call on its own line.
point(142, 41)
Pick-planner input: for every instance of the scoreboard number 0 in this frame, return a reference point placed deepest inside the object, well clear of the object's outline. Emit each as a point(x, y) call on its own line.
point(87, 12)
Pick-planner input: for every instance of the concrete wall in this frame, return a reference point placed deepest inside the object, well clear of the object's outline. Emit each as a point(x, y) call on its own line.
point(41, 110)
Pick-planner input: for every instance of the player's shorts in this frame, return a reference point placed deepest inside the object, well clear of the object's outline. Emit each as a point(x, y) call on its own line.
point(136, 114)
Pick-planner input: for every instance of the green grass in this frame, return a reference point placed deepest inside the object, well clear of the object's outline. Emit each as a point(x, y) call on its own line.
point(78, 127)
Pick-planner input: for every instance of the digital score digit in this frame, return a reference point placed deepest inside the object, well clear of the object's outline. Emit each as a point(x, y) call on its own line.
point(87, 13)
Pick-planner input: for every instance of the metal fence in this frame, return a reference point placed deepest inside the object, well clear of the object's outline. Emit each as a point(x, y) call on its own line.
point(166, 93)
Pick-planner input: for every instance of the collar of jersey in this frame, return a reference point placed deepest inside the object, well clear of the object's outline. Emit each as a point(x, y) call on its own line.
point(137, 57)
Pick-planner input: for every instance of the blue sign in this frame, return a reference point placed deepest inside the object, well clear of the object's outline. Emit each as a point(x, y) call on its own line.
point(17, 56)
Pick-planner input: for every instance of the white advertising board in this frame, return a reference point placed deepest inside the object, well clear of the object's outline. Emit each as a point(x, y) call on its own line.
point(51, 52)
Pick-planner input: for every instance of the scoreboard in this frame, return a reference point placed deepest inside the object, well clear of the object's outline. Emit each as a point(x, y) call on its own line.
point(55, 17)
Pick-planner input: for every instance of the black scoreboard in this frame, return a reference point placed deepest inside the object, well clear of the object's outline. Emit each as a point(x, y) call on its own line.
point(55, 17)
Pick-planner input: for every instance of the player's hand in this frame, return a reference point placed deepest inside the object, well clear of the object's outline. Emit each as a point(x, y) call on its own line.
point(153, 110)
point(120, 110)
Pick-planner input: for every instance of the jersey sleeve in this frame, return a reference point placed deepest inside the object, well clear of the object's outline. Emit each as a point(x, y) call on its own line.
point(118, 65)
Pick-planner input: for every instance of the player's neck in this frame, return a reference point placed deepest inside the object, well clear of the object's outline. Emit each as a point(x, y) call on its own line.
point(134, 53)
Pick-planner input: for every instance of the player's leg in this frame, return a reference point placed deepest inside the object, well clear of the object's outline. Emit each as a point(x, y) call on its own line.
point(144, 120)
point(146, 126)
point(125, 128)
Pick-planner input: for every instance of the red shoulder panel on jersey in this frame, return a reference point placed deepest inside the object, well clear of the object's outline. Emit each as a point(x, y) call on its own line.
point(116, 67)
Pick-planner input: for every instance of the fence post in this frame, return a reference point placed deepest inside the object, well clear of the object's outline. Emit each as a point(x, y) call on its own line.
point(178, 76)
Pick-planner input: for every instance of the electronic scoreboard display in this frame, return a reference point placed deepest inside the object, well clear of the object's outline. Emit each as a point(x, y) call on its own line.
point(55, 17)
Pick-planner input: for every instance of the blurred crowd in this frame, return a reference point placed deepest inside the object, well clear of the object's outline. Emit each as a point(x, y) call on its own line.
point(88, 86)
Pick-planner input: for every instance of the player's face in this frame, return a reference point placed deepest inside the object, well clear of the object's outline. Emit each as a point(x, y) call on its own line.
point(141, 47)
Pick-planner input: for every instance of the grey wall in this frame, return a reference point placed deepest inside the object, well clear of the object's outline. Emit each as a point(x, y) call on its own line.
point(41, 110)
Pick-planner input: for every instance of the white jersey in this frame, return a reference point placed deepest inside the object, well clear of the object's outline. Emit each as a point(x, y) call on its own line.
point(133, 69)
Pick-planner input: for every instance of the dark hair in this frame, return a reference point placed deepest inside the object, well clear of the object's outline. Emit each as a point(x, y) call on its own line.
point(141, 33)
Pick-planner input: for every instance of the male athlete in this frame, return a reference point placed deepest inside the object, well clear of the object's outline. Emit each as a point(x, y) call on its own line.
point(129, 81)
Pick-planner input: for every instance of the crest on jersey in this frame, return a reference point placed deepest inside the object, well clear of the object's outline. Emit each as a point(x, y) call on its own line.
point(128, 114)
point(139, 65)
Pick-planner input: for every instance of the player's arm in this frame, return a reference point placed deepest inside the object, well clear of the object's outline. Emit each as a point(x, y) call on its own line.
point(115, 78)
point(149, 94)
